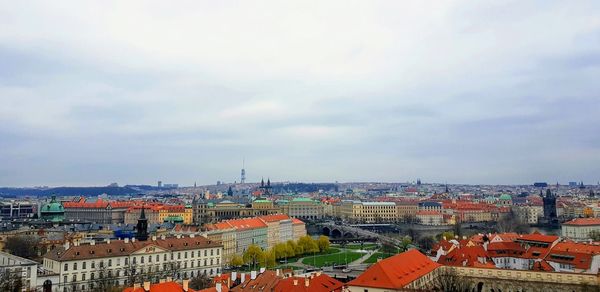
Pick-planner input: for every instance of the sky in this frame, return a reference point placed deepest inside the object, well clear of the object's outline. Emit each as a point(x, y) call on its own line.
point(490, 92)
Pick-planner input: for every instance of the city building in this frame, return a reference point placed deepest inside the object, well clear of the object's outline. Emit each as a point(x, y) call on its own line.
point(368, 212)
point(17, 209)
point(100, 211)
point(179, 257)
point(304, 209)
point(580, 228)
point(159, 213)
point(20, 267)
point(430, 217)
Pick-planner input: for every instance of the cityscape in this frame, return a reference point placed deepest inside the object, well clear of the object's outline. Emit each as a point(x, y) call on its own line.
point(282, 146)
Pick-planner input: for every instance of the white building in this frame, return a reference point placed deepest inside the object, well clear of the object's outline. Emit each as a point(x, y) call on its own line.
point(580, 228)
point(81, 266)
point(16, 266)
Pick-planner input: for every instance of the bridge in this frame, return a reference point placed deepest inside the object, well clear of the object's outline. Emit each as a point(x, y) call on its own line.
point(348, 232)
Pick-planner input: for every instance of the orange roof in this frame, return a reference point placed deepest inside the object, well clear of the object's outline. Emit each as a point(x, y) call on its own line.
point(100, 203)
point(224, 288)
point(396, 272)
point(160, 287)
point(583, 222)
point(274, 217)
point(297, 221)
point(466, 256)
point(538, 237)
point(320, 283)
point(247, 223)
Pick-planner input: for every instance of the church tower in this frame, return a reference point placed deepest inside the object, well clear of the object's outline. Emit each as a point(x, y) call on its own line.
point(142, 227)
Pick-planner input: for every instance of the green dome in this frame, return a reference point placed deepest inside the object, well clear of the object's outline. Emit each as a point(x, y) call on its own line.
point(505, 197)
point(53, 211)
point(53, 207)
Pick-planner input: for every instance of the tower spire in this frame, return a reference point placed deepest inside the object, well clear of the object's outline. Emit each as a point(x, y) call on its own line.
point(142, 227)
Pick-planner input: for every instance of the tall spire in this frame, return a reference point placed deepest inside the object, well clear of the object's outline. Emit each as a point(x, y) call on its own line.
point(142, 227)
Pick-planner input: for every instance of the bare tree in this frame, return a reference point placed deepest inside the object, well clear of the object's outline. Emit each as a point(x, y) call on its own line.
point(447, 280)
point(10, 280)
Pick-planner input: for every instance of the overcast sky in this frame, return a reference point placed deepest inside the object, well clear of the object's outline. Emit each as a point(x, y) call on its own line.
point(135, 92)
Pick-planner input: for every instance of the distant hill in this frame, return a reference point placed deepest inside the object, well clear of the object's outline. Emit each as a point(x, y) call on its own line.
point(69, 191)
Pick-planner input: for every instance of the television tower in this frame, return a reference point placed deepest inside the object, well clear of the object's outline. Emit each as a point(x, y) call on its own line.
point(243, 176)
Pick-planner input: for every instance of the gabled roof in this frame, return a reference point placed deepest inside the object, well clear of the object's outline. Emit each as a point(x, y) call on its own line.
point(265, 281)
point(538, 237)
point(583, 222)
point(396, 272)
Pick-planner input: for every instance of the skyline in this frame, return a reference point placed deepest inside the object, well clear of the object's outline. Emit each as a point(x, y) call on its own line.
point(101, 92)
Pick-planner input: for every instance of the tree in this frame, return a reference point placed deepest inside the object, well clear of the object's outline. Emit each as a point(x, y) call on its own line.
point(236, 261)
point(297, 249)
point(446, 234)
point(25, 246)
point(426, 242)
point(10, 280)
point(308, 244)
point(405, 243)
point(511, 223)
point(267, 259)
point(102, 281)
point(323, 243)
point(252, 255)
point(280, 250)
point(447, 280)
point(200, 282)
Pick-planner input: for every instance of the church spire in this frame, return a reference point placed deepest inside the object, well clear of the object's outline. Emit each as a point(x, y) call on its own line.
point(142, 227)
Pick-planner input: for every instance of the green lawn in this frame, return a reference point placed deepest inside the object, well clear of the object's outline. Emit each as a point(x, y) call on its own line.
point(331, 250)
point(331, 259)
point(373, 258)
point(367, 246)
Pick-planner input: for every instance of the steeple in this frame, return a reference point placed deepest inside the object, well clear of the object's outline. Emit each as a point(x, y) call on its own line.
point(142, 227)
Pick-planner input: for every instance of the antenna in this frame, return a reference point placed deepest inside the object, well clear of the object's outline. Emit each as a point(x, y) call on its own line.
point(243, 176)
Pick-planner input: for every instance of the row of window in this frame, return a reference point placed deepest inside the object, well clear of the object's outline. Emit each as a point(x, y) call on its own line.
point(143, 259)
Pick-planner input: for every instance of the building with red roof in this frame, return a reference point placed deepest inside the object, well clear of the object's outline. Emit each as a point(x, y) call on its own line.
point(580, 228)
point(410, 269)
point(169, 286)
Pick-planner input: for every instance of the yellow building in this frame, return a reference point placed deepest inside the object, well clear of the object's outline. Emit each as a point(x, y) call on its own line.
point(369, 212)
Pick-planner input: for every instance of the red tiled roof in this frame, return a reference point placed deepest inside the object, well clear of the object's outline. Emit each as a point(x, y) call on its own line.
point(264, 282)
point(583, 222)
point(538, 237)
point(274, 217)
point(297, 221)
point(160, 287)
point(466, 256)
point(321, 283)
point(396, 272)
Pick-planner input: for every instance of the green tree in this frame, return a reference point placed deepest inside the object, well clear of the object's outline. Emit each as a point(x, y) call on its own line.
point(236, 261)
point(447, 234)
point(252, 255)
point(290, 251)
point(280, 250)
point(10, 280)
point(267, 259)
point(308, 244)
point(323, 243)
point(298, 250)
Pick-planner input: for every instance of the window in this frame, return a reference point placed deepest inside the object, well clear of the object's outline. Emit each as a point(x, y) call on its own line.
point(218, 251)
point(185, 255)
point(179, 255)
point(110, 262)
point(92, 276)
point(83, 277)
point(93, 265)
point(65, 279)
point(157, 258)
point(142, 260)
point(126, 261)
point(149, 259)
point(83, 266)
point(74, 266)
point(211, 252)
point(165, 257)
point(205, 252)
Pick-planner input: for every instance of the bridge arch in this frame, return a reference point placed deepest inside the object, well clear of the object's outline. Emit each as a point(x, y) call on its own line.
point(326, 231)
point(349, 235)
point(336, 233)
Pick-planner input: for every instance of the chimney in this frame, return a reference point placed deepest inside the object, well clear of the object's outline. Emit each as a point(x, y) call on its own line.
point(93, 242)
point(133, 239)
point(319, 273)
point(295, 282)
point(169, 279)
point(277, 272)
point(306, 282)
point(252, 275)
point(136, 286)
point(108, 241)
point(67, 245)
point(126, 240)
point(178, 235)
point(153, 237)
point(146, 286)
point(233, 276)
point(186, 285)
point(243, 277)
point(161, 281)
point(162, 237)
point(218, 287)
point(262, 270)
point(192, 235)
